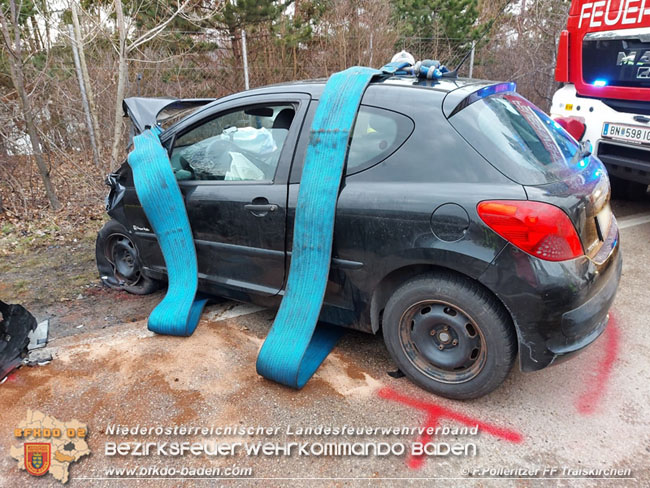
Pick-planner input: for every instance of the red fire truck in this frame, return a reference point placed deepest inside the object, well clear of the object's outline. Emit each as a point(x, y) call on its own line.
point(603, 62)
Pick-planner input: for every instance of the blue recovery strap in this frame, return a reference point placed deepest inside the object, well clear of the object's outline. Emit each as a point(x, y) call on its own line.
point(179, 312)
point(296, 344)
point(395, 67)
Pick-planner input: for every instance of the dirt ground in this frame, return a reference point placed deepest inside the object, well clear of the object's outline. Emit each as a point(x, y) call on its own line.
point(587, 413)
point(59, 281)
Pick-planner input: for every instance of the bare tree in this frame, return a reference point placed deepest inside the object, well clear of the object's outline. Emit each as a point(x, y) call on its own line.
point(15, 55)
point(84, 96)
point(524, 45)
point(121, 80)
point(123, 48)
point(86, 77)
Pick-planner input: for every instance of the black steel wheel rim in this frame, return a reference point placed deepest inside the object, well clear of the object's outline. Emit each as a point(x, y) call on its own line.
point(121, 253)
point(442, 341)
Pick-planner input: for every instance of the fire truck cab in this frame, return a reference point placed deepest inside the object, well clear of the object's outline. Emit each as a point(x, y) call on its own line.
point(603, 62)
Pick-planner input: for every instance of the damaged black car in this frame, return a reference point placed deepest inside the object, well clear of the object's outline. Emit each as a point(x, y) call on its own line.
point(470, 227)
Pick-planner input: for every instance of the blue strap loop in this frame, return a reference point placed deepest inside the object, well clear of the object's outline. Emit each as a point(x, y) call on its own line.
point(296, 346)
point(179, 312)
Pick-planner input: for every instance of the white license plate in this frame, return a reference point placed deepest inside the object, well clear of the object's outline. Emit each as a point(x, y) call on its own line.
point(632, 133)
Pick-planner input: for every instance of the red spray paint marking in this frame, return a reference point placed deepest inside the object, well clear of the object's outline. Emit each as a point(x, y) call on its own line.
point(587, 402)
point(10, 378)
point(435, 413)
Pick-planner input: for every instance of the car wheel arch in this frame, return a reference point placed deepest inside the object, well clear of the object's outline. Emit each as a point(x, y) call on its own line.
point(146, 284)
point(399, 276)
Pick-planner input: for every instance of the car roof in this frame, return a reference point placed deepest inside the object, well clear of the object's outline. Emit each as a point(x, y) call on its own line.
point(452, 90)
point(445, 85)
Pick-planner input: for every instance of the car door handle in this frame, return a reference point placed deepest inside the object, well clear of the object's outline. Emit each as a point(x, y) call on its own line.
point(260, 210)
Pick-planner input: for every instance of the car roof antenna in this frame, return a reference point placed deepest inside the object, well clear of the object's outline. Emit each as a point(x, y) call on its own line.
point(454, 73)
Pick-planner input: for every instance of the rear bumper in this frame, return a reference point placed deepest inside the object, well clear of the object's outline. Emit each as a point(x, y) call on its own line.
point(625, 160)
point(558, 308)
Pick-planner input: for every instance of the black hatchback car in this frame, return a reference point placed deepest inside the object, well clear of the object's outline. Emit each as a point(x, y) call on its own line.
point(470, 226)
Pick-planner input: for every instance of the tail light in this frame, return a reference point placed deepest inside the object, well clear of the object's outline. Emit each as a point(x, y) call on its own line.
point(540, 229)
point(573, 125)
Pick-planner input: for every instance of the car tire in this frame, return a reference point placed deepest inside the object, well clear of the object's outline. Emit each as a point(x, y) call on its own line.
point(449, 335)
point(118, 261)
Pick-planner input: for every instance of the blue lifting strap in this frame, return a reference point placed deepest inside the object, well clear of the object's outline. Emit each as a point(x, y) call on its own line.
point(179, 312)
point(296, 346)
point(394, 67)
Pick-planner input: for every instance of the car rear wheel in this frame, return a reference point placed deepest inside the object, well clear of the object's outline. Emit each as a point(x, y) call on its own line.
point(449, 335)
point(118, 261)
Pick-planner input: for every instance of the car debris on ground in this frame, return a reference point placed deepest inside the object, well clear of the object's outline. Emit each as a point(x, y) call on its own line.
point(20, 338)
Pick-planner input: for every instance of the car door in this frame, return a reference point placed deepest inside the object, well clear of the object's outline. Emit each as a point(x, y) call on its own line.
point(232, 167)
point(377, 134)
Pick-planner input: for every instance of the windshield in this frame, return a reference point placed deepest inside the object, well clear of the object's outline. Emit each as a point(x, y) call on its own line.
point(616, 61)
point(519, 139)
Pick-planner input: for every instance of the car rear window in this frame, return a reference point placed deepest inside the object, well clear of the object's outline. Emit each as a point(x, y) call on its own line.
point(518, 138)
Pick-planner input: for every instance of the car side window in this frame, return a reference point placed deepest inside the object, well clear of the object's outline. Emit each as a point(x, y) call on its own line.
point(377, 134)
point(243, 144)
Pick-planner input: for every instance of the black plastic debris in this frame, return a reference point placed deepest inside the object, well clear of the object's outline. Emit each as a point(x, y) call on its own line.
point(15, 328)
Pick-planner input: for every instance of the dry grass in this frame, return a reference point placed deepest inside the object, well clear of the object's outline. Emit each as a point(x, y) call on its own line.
point(28, 222)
